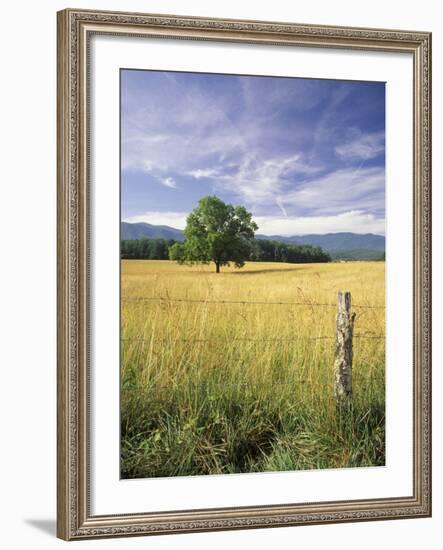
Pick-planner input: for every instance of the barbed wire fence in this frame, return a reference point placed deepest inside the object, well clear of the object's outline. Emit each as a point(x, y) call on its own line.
point(242, 302)
point(343, 337)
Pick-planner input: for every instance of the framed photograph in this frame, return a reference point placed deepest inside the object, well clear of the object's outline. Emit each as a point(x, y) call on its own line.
point(243, 274)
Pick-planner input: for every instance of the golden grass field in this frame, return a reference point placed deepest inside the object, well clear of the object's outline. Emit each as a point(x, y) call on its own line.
point(242, 387)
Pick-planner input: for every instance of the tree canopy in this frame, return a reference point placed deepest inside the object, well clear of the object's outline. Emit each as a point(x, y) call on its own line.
point(216, 232)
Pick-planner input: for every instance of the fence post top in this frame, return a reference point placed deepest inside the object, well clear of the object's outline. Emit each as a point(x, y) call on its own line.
point(344, 300)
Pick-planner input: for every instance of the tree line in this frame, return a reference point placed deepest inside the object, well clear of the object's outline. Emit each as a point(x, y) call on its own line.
point(261, 251)
point(146, 249)
point(277, 251)
point(222, 234)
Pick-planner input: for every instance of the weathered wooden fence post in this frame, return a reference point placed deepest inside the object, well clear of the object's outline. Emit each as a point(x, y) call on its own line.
point(343, 349)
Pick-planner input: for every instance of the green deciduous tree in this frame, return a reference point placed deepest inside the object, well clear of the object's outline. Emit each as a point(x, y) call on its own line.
point(216, 232)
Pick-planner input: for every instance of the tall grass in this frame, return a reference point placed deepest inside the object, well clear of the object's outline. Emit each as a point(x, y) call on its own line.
point(213, 388)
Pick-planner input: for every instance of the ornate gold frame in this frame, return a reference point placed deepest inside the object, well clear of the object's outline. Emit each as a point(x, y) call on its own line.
point(74, 29)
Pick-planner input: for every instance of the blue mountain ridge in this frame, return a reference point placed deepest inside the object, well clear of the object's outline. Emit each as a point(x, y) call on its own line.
point(342, 244)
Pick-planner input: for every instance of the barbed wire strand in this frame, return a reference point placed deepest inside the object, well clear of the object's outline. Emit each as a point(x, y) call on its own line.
point(219, 339)
point(243, 302)
point(136, 339)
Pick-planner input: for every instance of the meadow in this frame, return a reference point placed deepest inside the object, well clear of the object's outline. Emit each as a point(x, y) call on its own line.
point(233, 372)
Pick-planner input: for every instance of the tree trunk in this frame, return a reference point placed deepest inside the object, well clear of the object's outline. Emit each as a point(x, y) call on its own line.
point(217, 267)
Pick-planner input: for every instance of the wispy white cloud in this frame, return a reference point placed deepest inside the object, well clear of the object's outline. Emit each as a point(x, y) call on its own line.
point(168, 182)
point(257, 179)
point(280, 204)
point(200, 173)
point(282, 147)
point(355, 221)
point(173, 219)
point(340, 191)
point(194, 128)
point(294, 186)
point(326, 124)
point(362, 146)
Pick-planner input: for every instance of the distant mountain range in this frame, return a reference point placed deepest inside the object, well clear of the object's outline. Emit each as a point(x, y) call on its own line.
point(351, 246)
point(132, 231)
point(338, 245)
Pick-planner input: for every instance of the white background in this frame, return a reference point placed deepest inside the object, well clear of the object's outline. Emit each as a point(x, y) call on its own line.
point(27, 403)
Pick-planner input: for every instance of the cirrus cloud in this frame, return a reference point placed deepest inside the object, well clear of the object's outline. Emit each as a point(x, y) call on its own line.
point(286, 148)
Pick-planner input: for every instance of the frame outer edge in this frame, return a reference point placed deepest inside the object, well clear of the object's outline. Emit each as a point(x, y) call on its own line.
point(62, 280)
point(429, 319)
point(422, 286)
point(72, 516)
point(427, 268)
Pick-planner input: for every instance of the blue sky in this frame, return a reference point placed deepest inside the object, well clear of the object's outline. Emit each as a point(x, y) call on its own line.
point(303, 155)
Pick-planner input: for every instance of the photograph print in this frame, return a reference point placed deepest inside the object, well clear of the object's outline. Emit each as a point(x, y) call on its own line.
point(252, 327)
